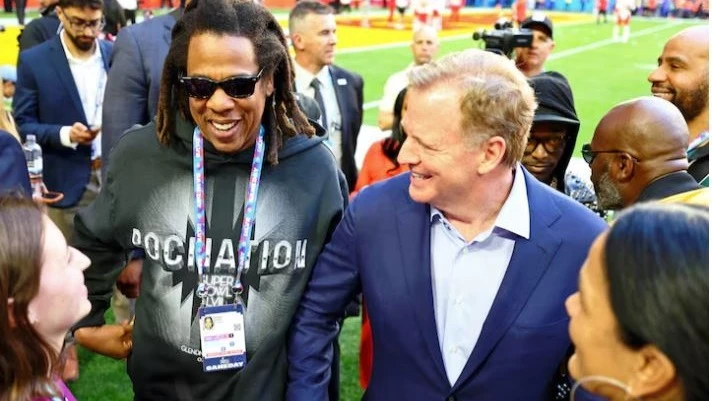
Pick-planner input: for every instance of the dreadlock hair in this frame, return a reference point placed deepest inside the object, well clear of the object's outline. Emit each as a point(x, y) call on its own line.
point(282, 116)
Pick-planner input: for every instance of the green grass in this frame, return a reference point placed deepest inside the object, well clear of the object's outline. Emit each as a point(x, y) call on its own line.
point(600, 77)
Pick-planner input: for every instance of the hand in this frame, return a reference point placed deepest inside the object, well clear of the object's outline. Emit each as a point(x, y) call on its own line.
point(129, 281)
point(112, 340)
point(79, 133)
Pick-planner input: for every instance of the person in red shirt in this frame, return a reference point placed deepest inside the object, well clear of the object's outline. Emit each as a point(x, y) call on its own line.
point(519, 11)
point(602, 10)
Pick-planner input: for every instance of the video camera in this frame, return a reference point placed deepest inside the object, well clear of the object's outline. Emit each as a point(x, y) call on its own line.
point(504, 38)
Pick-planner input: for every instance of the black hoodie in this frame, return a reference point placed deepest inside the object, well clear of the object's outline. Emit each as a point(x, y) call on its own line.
point(556, 104)
point(147, 202)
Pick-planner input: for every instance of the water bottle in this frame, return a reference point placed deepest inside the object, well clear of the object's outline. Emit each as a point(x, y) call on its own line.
point(33, 155)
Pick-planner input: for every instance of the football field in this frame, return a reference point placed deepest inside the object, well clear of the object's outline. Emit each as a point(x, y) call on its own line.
point(601, 73)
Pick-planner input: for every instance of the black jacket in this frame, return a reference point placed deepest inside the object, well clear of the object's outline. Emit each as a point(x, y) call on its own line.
point(39, 30)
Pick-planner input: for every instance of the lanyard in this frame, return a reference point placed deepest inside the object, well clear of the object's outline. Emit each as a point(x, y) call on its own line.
point(248, 219)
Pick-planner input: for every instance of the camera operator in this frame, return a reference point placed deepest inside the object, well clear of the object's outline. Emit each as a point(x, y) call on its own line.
point(530, 60)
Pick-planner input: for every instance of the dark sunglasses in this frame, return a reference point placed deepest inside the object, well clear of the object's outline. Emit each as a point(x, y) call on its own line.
point(238, 87)
point(590, 154)
point(551, 144)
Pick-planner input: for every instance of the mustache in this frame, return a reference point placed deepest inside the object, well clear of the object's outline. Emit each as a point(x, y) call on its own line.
point(664, 87)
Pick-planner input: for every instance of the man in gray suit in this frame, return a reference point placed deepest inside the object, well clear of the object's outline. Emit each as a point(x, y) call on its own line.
point(135, 77)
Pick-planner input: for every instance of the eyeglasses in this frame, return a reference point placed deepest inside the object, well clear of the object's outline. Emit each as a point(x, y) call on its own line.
point(590, 154)
point(79, 25)
point(551, 144)
point(237, 87)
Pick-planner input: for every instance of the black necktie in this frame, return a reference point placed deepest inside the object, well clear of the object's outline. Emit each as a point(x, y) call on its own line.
point(320, 101)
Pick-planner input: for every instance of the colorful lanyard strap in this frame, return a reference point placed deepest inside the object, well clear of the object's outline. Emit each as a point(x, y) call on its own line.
point(248, 220)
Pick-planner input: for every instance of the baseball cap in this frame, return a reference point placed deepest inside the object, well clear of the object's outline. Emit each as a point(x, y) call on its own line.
point(541, 21)
point(8, 73)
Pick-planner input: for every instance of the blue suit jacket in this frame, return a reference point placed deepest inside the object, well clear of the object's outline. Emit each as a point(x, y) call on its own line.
point(46, 99)
point(382, 247)
point(349, 94)
point(13, 166)
point(134, 81)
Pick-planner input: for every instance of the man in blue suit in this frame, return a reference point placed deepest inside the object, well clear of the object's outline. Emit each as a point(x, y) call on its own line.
point(338, 92)
point(465, 262)
point(58, 98)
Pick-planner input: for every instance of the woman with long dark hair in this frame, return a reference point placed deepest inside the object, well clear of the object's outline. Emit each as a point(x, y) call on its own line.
point(640, 320)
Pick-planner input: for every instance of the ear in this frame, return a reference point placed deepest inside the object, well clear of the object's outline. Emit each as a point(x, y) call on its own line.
point(654, 374)
point(268, 85)
point(623, 167)
point(297, 41)
point(493, 150)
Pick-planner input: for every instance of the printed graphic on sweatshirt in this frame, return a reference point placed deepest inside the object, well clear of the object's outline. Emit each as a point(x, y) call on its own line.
point(276, 250)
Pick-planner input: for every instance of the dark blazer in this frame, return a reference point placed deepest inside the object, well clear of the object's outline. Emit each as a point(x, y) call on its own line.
point(13, 167)
point(349, 94)
point(382, 248)
point(46, 99)
point(39, 30)
point(131, 95)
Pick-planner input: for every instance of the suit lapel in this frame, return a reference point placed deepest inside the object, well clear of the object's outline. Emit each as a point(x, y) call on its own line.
point(414, 237)
point(341, 99)
point(105, 50)
point(529, 261)
point(60, 64)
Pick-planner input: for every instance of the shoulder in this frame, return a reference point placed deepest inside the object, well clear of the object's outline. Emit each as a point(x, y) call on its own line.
point(382, 197)
point(8, 143)
point(41, 50)
point(151, 26)
point(344, 73)
point(546, 202)
point(137, 140)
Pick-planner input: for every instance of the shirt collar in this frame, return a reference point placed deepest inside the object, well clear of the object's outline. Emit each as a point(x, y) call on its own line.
point(71, 58)
point(304, 78)
point(514, 215)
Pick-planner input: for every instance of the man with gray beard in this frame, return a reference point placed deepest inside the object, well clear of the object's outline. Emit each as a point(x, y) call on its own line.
point(638, 154)
point(682, 79)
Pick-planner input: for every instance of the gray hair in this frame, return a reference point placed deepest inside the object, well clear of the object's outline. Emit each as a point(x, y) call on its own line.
point(496, 98)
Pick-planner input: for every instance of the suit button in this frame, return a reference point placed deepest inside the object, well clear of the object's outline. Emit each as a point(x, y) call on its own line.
point(451, 398)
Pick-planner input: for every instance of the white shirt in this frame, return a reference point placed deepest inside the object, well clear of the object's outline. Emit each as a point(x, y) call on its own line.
point(466, 276)
point(394, 84)
point(303, 80)
point(90, 79)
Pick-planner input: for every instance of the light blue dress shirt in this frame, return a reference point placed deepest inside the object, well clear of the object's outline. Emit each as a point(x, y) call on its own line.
point(466, 276)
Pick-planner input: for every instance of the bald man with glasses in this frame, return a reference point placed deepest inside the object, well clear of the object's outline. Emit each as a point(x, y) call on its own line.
point(638, 154)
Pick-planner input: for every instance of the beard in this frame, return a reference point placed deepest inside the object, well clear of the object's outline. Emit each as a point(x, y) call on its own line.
point(693, 102)
point(83, 43)
point(609, 198)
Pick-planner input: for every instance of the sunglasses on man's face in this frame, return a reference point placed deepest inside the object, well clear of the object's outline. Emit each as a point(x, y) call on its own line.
point(589, 154)
point(238, 87)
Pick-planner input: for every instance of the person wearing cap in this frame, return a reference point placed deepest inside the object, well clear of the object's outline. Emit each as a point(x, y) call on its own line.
point(552, 138)
point(8, 77)
point(530, 60)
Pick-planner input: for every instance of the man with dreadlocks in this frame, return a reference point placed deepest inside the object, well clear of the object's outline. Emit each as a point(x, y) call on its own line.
point(226, 236)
